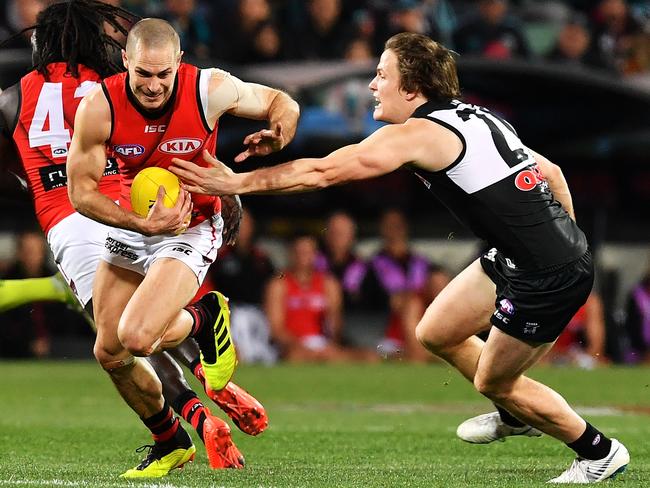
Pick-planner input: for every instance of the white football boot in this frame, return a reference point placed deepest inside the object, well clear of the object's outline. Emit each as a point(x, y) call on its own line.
point(489, 427)
point(593, 471)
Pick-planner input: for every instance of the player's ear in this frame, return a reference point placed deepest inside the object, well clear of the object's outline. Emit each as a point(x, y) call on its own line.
point(125, 60)
point(180, 57)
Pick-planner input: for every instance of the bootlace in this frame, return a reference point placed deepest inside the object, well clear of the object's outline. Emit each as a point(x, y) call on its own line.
point(153, 454)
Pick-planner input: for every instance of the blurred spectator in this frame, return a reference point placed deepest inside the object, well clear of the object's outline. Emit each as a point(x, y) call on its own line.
point(637, 322)
point(303, 306)
point(393, 274)
point(492, 34)
point(338, 257)
point(241, 272)
point(324, 34)
point(20, 14)
point(247, 34)
point(191, 26)
point(417, 303)
point(614, 33)
point(359, 50)
point(26, 330)
point(582, 342)
point(410, 16)
point(572, 46)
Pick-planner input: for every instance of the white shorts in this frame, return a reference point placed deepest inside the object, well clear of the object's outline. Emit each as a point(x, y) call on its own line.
point(77, 244)
point(197, 248)
point(314, 342)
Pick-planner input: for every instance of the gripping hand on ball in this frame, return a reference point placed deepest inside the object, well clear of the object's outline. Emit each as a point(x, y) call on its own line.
point(164, 220)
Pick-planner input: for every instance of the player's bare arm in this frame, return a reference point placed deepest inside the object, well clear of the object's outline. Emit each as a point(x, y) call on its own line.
point(556, 183)
point(228, 94)
point(85, 166)
point(383, 152)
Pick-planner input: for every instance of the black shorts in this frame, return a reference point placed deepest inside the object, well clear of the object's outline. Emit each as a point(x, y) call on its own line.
point(536, 306)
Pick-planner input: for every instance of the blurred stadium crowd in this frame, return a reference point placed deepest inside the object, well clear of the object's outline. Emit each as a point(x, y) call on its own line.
point(320, 298)
point(327, 301)
point(611, 35)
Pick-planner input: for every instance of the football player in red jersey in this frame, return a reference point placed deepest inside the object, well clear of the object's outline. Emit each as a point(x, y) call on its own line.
point(153, 266)
point(36, 118)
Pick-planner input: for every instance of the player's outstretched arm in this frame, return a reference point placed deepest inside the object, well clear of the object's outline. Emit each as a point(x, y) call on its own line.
point(85, 167)
point(384, 151)
point(556, 182)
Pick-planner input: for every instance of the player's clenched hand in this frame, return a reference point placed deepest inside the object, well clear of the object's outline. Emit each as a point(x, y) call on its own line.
point(164, 220)
point(216, 179)
point(262, 143)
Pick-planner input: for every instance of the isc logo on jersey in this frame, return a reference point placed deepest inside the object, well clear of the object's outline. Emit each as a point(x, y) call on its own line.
point(180, 145)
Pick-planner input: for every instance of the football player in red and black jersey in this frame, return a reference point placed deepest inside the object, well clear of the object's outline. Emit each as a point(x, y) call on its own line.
point(72, 54)
point(152, 266)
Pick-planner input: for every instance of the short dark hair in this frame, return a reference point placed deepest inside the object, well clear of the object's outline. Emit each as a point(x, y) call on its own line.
point(425, 66)
point(72, 31)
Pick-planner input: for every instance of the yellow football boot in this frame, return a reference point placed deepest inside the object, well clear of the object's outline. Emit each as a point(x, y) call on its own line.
point(219, 372)
point(162, 458)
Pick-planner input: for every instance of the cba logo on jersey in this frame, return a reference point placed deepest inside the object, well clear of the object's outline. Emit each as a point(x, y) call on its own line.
point(180, 145)
point(129, 150)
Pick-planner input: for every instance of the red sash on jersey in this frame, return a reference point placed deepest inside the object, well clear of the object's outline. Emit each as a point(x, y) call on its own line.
point(305, 307)
point(43, 134)
point(138, 141)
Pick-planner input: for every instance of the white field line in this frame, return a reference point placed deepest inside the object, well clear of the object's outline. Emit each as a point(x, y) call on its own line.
point(83, 484)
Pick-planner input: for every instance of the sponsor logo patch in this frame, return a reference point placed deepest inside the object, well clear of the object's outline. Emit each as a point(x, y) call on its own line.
point(55, 176)
point(531, 327)
point(129, 150)
point(120, 249)
point(180, 145)
point(506, 306)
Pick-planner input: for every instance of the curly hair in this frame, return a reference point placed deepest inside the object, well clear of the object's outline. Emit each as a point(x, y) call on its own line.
point(73, 32)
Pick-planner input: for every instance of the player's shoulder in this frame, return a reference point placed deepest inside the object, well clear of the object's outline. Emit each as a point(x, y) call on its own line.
point(9, 106)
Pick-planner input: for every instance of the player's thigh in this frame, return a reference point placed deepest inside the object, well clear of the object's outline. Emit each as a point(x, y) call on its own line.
point(112, 290)
point(505, 358)
point(463, 308)
point(168, 286)
point(77, 244)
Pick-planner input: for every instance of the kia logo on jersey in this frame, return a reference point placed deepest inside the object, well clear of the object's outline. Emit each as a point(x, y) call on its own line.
point(179, 145)
point(129, 150)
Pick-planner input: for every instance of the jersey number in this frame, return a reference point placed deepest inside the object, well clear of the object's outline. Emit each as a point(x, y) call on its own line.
point(510, 156)
point(50, 107)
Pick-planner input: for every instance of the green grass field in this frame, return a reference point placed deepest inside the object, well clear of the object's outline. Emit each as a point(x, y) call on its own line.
point(62, 424)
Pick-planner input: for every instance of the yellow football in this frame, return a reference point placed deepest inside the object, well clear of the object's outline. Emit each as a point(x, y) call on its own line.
point(144, 189)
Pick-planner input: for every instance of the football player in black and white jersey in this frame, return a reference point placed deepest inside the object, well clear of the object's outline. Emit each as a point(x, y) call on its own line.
point(524, 290)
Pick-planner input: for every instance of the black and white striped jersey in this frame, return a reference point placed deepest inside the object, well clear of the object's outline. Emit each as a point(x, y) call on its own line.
point(496, 189)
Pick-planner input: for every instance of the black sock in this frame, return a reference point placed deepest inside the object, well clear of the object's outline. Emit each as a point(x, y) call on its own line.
point(592, 444)
point(163, 425)
point(188, 405)
point(507, 418)
point(205, 313)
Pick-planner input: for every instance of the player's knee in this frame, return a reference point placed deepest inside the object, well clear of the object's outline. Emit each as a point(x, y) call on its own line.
point(112, 362)
point(137, 343)
point(492, 388)
point(427, 336)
